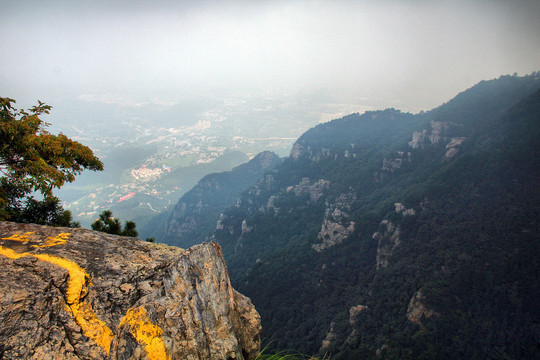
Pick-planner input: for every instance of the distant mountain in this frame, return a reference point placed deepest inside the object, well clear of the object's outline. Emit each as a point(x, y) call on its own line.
point(197, 212)
point(391, 235)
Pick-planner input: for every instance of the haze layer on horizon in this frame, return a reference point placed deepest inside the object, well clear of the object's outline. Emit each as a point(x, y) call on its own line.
point(410, 55)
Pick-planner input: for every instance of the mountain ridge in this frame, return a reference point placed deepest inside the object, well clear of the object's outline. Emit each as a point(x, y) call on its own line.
point(356, 244)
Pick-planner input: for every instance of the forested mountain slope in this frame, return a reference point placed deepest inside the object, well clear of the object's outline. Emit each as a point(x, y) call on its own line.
point(401, 236)
point(195, 215)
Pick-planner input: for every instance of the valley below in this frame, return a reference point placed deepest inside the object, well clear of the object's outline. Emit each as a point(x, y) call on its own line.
point(158, 150)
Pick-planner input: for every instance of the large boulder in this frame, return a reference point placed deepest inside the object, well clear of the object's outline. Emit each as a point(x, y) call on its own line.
point(78, 294)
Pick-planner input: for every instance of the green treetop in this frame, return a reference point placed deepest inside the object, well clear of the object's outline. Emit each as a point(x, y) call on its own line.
point(32, 160)
point(111, 225)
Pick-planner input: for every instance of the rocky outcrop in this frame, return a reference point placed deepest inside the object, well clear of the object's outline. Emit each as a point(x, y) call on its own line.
point(316, 153)
point(334, 230)
point(336, 225)
point(387, 240)
point(78, 294)
point(452, 147)
point(433, 135)
point(245, 227)
point(329, 339)
point(354, 312)
point(396, 162)
point(401, 209)
point(417, 310)
point(297, 151)
point(392, 163)
point(388, 236)
point(315, 190)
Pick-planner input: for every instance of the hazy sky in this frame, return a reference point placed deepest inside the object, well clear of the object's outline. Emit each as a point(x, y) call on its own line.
point(408, 54)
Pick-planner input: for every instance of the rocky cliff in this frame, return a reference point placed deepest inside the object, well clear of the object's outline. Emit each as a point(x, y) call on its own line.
point(78, 294)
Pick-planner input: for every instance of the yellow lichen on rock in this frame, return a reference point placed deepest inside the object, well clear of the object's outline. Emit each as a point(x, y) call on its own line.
point(91, 325)
point(77, 276)
point(7, 252)
point(59, 239)
point(146, 333)
point(20, 237)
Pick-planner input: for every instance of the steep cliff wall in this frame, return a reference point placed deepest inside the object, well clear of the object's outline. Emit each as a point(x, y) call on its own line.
point(78, 294)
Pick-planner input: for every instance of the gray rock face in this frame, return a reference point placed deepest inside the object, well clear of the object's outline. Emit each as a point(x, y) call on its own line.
point(78, 294)
point(452, 147)
point(433, 135)
point(336, 225)
point(335, 228)
point(315, 190)
point(388, 239)
point(417, 311)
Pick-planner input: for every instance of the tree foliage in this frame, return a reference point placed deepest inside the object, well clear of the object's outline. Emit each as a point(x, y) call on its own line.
point(32, 160)
point(111, 225)
point(45, 212)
